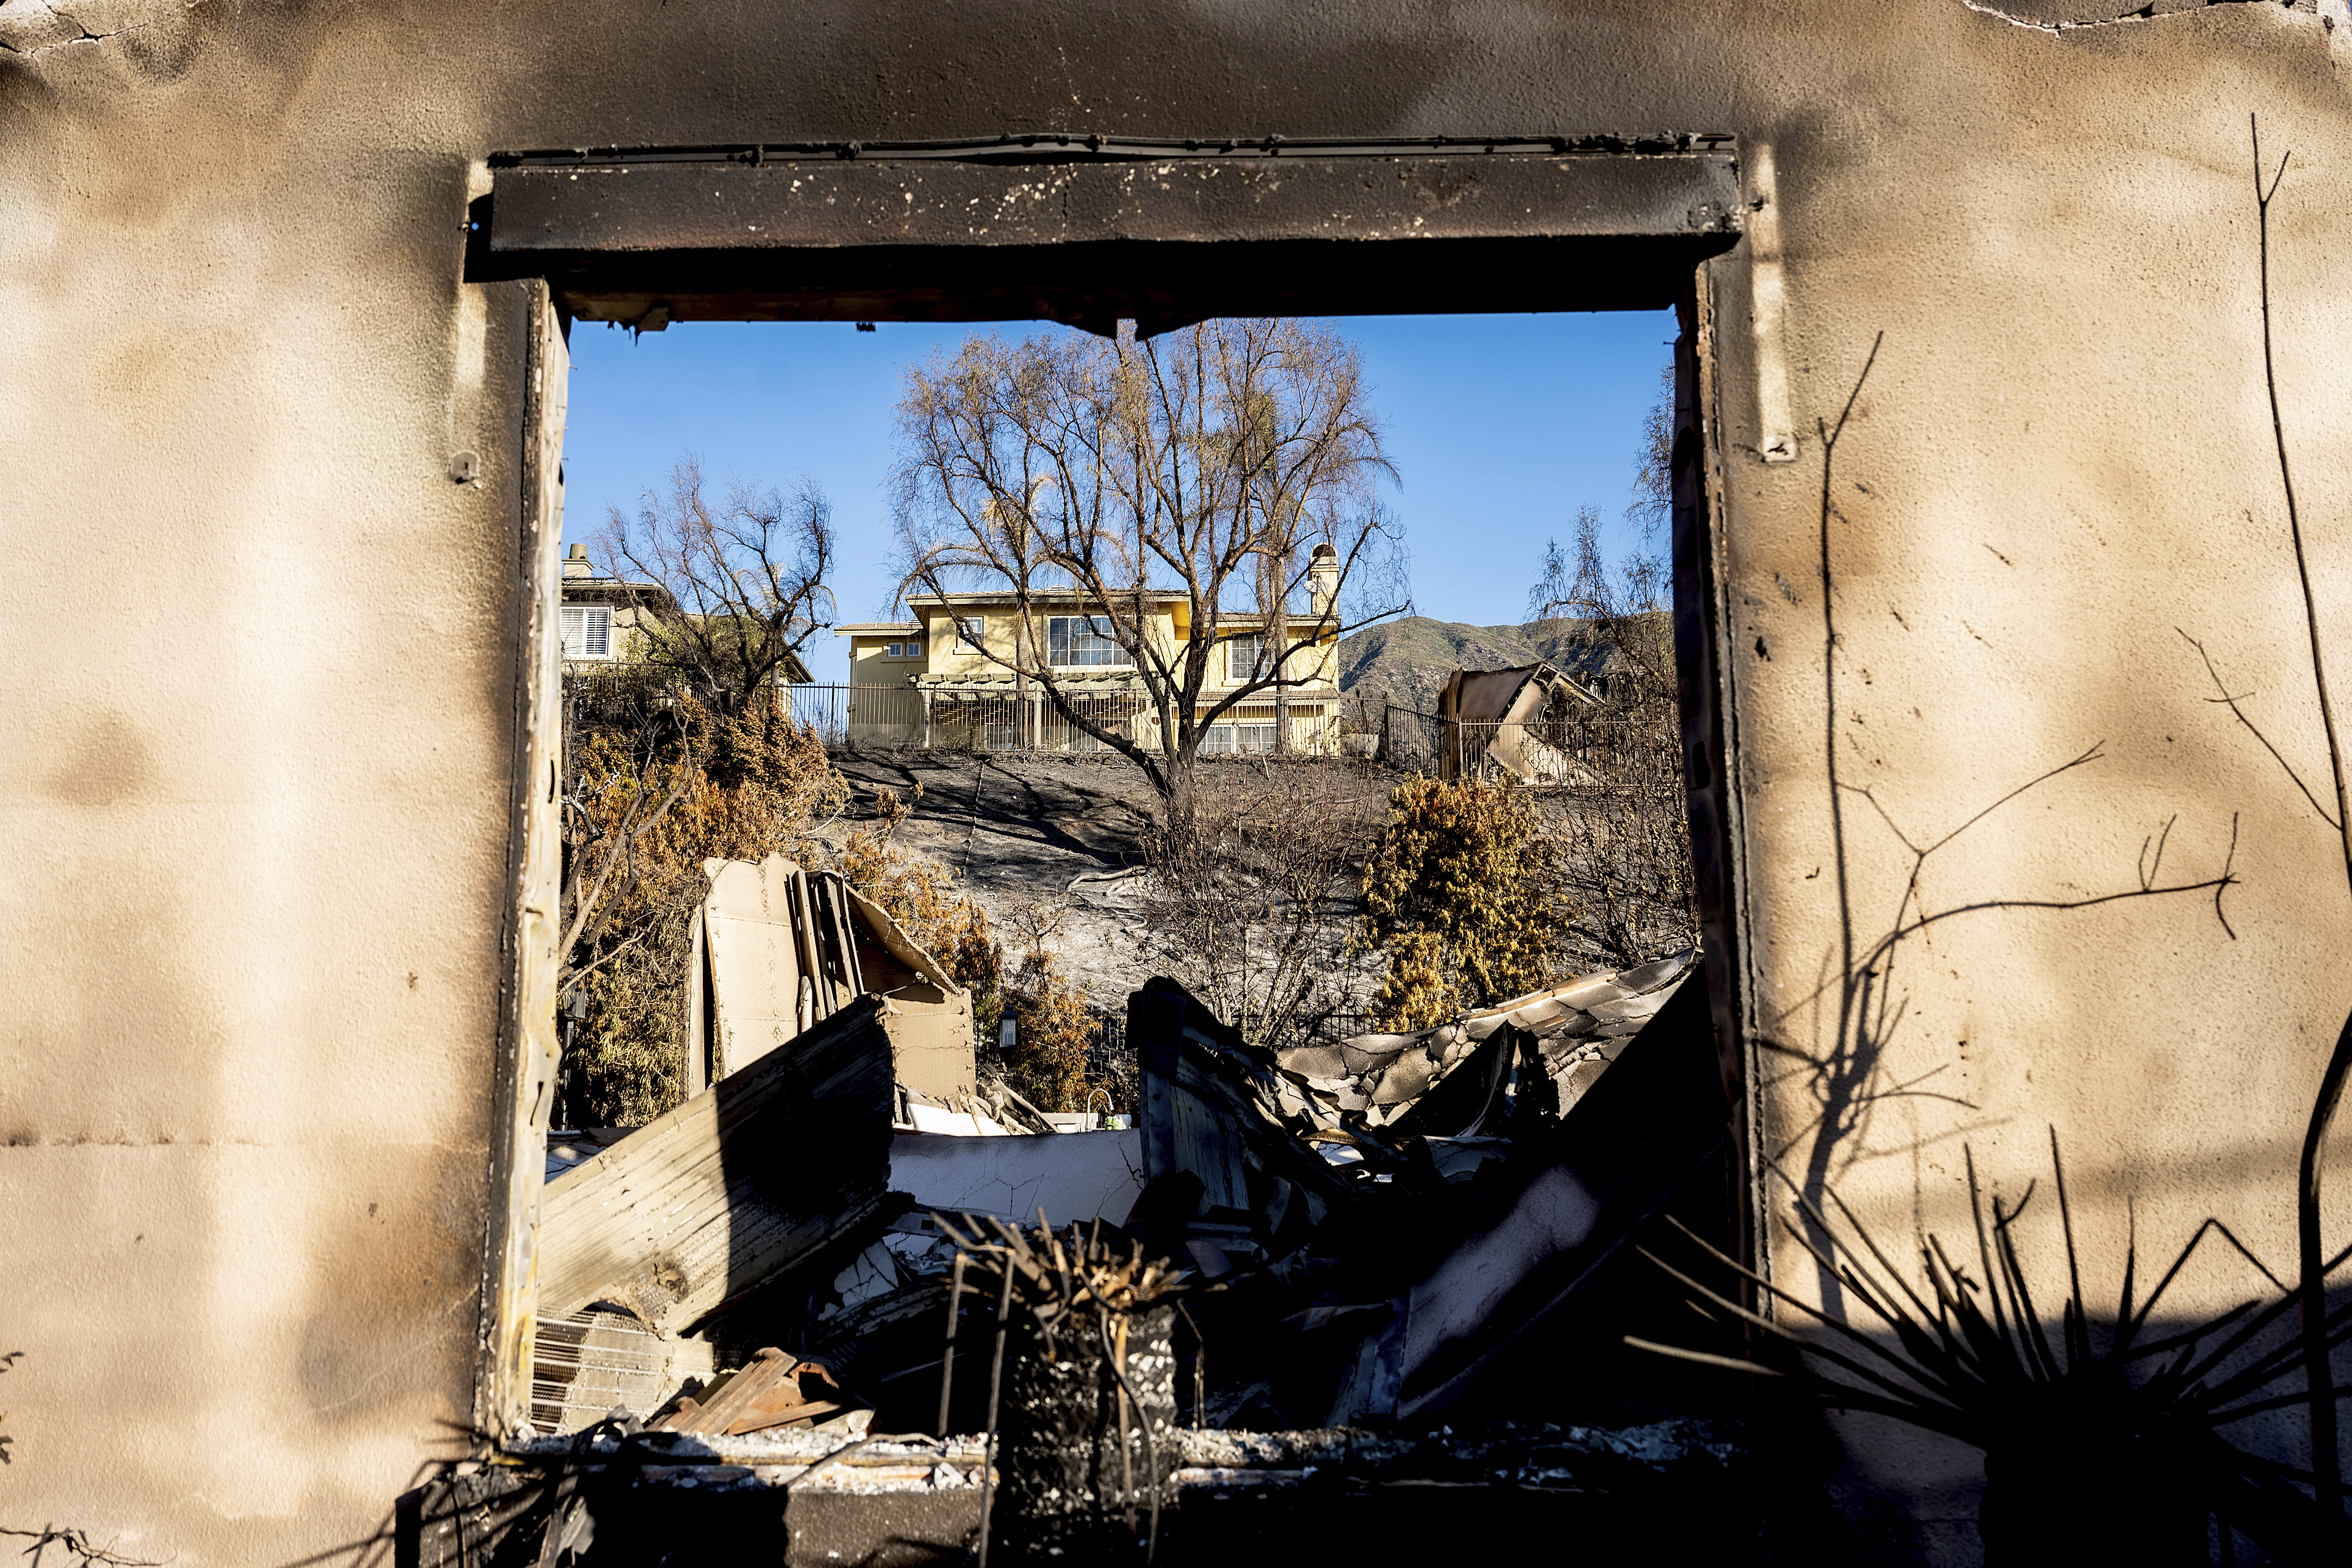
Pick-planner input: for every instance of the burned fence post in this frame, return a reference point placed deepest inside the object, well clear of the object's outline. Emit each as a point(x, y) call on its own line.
point(1084, 1435)
point(947, 1358)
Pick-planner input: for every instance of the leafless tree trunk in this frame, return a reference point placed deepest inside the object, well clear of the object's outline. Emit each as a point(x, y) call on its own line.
point(1108, 480)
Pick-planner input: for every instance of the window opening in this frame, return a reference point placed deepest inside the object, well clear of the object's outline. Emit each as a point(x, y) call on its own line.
point(810, 917)
point(1077, 641)
point(587, 631)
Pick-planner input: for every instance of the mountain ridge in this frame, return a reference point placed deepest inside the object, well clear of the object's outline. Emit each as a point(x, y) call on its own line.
point(1406, 662)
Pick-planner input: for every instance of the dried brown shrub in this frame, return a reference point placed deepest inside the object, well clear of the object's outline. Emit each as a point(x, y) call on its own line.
point(743, 788)
point(1462, 892)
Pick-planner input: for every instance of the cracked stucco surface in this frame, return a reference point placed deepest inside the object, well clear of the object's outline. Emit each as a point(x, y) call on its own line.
point(34, 26)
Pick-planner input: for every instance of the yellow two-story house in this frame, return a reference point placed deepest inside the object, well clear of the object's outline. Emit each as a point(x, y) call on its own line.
point(945, 677)
point(604, 622)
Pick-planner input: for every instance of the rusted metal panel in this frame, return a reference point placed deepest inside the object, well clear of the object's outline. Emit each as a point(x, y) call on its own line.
point(774, 1390)
point(649, 238)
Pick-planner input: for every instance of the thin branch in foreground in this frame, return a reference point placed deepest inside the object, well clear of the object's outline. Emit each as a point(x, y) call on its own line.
point(2326, 1454)
point(79, 1543)
point(2254, 730)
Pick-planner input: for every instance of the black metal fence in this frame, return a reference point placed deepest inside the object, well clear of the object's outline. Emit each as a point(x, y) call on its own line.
point(988, 720)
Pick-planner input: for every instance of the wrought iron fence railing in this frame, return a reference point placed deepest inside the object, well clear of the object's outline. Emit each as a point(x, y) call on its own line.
point(1600, 754)
point(983, 720)
point(608, 694)
point(1587, 754)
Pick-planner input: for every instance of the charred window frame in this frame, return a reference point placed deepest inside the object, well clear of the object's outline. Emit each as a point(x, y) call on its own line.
point(1161, 232)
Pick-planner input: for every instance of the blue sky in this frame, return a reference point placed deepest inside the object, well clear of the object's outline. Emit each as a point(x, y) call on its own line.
point(1500, 427)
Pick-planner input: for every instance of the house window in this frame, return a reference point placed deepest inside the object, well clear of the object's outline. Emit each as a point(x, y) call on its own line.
point(1245, 656)
point(912, 649)
point(1255, 739)
point(1077, 640)
point(969, 628)
point(587, 631)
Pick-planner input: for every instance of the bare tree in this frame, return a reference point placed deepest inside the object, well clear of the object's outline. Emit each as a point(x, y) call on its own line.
point(1254, 895)
point(1626, 825)
point(744, 581)
point(690, 705)
point(1229, 466)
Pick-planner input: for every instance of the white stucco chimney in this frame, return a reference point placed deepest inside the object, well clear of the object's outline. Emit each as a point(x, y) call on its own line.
point(1322, 578)
point(576, 564)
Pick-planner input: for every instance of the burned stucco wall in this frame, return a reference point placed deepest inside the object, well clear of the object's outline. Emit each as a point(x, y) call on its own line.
point(263, 649)
point(1967, 708)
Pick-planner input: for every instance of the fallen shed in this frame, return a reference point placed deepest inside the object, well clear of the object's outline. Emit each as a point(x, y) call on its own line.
point(1494, 719)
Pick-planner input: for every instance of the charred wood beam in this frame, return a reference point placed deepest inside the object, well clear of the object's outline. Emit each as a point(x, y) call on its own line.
point(646, 238)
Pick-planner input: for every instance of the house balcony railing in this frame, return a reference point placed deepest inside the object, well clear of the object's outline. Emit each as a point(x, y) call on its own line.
point(1320, 723)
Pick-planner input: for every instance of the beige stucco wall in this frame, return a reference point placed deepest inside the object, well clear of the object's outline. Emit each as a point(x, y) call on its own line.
point(252, 892)
point(946, 654)
point(872, 663)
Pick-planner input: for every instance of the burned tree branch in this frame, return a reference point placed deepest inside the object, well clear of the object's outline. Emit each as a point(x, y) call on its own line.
point(2327, 1455)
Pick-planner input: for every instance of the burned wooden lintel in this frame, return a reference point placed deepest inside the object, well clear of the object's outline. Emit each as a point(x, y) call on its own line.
point(737, 1184)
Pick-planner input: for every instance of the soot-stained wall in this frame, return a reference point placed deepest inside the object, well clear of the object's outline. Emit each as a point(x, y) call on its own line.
point(263, 651)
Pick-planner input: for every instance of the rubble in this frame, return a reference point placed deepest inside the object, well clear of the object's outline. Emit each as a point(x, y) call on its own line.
point(1496, 716)
point(1568, 1034)
point(773, 1392)
point(1402, 1206)
point(739, 1183)
point(1387, 1224)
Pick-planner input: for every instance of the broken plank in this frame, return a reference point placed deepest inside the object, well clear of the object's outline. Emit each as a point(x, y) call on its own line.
point(731, 1188)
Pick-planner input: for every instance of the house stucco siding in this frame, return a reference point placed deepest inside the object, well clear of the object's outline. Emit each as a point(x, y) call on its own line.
point(256, 893)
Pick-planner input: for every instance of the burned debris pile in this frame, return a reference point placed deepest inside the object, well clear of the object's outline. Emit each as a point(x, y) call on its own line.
point(1496, 720)
point(846, 1232)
